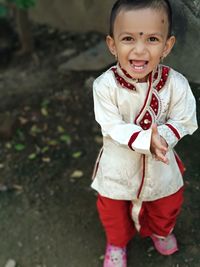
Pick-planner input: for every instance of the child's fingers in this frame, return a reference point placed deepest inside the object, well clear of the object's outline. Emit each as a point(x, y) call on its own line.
point(161, 147)
point(160, 157)
point(164, 160)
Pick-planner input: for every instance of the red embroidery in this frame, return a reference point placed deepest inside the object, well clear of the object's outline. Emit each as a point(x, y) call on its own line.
point(164, 76)
point(154, 104)
point(155, 75)
point(126, 74)
point(132, 139)
point(146, 121)
point(149, 89)
point(173, 130)
point(122, 81)
point(165, 72)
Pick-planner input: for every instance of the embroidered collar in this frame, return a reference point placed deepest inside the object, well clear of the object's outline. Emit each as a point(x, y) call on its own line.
point(159, 79)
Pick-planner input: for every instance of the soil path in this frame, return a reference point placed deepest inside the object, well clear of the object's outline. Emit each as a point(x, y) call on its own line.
point(48, 216)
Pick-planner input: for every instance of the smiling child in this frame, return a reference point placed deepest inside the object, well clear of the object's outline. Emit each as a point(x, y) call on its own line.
point(144, 108)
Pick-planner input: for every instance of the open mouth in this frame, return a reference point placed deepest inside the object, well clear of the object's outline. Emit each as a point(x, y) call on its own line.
point(138, 65)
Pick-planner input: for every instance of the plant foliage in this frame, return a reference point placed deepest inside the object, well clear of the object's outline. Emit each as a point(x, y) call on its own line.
point(22, 4)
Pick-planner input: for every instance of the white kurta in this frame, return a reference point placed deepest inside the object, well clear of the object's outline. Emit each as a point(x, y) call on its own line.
point(126, 168)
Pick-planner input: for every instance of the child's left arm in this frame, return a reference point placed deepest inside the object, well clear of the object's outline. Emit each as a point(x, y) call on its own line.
point(181, 119)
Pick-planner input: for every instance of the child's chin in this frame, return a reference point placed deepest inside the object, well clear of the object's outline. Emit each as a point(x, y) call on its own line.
point(140, 77)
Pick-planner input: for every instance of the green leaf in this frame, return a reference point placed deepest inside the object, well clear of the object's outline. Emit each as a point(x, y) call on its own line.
point(65, 138)
point(101, 257)
point(52, 142)
point(60, 129)
point(24, 4)
point(32, 156)
point(77, 174)
point(44, 111)
point(77, 154)
point(19, 147)
point(46, 148)
point(35, 130)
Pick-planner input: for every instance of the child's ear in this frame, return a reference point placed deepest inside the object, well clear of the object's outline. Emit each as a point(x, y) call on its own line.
point(111, 45)
point(169, 45)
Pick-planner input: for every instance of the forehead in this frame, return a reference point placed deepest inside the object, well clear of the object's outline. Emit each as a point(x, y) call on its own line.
point(147, 20)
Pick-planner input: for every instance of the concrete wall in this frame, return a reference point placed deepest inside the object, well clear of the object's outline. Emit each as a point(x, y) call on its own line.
point(76, 15)
point(92, 15)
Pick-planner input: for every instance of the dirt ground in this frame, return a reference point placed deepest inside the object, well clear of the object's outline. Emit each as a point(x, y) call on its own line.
point(49, 142)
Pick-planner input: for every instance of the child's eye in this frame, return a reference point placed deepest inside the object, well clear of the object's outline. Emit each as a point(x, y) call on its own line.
point(127, 38)
point(153, 39)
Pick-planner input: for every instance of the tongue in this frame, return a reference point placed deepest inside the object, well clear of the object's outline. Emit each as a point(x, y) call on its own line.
point(138, 63)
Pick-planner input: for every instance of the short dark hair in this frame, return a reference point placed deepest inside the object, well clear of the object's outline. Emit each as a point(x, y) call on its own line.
point(139, 4)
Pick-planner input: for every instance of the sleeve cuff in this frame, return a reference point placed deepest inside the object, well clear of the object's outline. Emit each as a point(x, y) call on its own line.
point(140, 142)
point(173, 129)
point(169, 133)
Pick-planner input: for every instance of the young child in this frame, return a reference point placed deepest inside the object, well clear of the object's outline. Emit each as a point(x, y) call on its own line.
point(144, 108)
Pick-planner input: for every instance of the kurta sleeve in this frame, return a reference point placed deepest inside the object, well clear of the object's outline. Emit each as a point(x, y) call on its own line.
point(111, 121)
point(181, 118)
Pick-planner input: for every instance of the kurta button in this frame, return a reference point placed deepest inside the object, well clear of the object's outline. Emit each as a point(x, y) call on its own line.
point(146, 121)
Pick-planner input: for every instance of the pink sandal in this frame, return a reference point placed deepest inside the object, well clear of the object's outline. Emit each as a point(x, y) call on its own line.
point(165, 246)
point(115, 256)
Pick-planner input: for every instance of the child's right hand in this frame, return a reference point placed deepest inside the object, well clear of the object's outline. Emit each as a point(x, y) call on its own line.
point(158, 146)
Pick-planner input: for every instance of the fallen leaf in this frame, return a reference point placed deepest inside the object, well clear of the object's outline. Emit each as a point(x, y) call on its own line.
point(101, 257)
point(60, 129)
point(17, 187)
point(46, 159)
point(65, 138)
point(35, 130)
point(44, 112)
point(77, 174)
point(44, 149)
point(52, 142)
point(1, 165)
point(32, 156)
point(19, 147)
point(77, 154)
point(23, 120)
point(8, 145)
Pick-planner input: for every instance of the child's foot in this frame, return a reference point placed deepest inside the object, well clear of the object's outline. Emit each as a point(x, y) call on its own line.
point(165, 246)
point(115, 256)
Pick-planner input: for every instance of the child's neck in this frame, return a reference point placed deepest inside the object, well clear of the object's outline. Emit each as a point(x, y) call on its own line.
point(128, 76)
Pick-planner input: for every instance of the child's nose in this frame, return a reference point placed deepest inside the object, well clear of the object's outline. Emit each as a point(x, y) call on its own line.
point(139, 47)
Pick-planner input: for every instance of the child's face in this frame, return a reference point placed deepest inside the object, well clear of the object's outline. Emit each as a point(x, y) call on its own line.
point(140, 40)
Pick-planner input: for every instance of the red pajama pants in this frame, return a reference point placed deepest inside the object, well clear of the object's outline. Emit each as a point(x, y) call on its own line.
point(121, 218)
